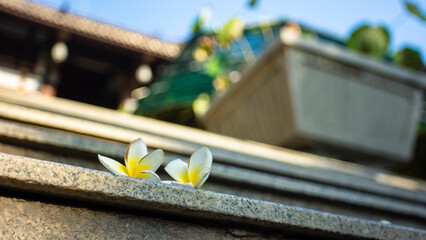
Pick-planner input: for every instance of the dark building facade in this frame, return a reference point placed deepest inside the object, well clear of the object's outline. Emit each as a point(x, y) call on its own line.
point(74, 57)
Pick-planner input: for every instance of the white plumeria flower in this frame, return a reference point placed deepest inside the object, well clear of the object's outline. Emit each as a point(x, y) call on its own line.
point(193, 174)
point(138, 162)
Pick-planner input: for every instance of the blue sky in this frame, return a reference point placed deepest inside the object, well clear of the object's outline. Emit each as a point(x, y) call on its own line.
point(171, 20)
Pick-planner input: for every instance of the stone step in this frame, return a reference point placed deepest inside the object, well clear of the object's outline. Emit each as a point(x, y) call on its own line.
point(107, 124)
point(41, 198)
point(81, 150)
point(67, 132)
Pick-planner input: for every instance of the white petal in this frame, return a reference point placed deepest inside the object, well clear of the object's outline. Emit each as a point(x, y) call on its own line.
point(168, 182)
point(135, 152)
point(200, 159)
point(178, 170)
point(150, 175)
point(203, 175)
point(113, 165)
point(152, 161)
point(178, 183)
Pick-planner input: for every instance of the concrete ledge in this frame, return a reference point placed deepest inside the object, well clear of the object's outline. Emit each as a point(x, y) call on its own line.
point(71, 116)
point(246, 154)
point(64, 181)
point(231, 174)
point(34, 219)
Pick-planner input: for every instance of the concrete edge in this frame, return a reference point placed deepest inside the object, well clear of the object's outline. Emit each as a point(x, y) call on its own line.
point(318, 191)
point(71, 109)
point(244, 161)
point(332, 51)
point(232, 174)
point(59, 180)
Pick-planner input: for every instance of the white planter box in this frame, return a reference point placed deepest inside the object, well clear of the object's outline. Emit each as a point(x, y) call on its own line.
point(303, 93)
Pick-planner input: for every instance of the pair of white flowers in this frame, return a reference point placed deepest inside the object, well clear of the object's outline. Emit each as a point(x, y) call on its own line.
point(140, 164)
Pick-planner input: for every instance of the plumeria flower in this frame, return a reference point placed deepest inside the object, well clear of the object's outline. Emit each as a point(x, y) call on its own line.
point(193, 174)
point(138, 162)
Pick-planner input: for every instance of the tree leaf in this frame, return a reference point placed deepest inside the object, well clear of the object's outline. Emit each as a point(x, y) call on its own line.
point(415, 10)
point(231, 31)
point(253, 3)
point(370, 40)
point(410, 58)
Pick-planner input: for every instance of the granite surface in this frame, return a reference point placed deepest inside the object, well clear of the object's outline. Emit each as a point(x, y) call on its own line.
point(318, 191)
point(244, 154)
point(59, 180)
point(224, 178)
point(30, 219)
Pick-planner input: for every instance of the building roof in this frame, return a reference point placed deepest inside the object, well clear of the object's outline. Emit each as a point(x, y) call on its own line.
point(89, 28)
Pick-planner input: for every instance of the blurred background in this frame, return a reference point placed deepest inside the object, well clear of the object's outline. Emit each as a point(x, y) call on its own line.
point(334, 78)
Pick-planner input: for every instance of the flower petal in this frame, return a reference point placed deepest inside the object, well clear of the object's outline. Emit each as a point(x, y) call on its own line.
point(203, 175)
point(168, 182)
point(150, 175)
point(151, 162)
point(113, 165)
point(199, 160)
point(178, 183)
point(135, 152)
point(178, 170)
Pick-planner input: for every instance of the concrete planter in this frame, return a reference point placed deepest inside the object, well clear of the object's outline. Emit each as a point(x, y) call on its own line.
point(310, 93)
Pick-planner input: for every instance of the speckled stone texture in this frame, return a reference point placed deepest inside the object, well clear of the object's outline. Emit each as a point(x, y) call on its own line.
point(96, 187)
point(39, 220)
point(244, 154)
point(398, 206)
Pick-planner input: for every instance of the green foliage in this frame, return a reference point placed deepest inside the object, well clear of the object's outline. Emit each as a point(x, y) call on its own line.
point(374, 41)
point(201, 104)
point(253, 3)
point(231, 31)
point(205, 47)
point(415, 10)
point(198, 26)
point(410, 58)
point(216, 64)
point(370, 40)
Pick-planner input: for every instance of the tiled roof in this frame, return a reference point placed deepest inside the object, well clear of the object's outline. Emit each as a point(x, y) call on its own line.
point(89, 28)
